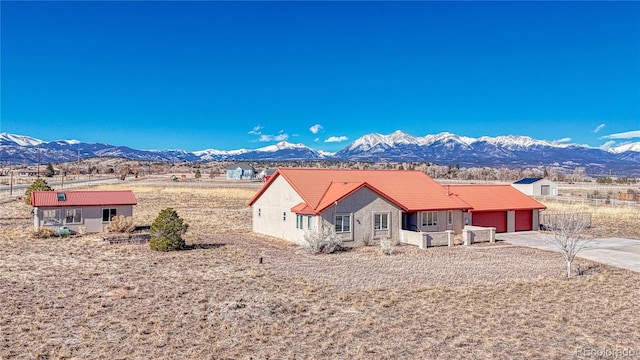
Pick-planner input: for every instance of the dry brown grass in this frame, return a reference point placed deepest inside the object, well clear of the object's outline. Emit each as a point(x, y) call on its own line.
point(606, 220)
point(83, 298)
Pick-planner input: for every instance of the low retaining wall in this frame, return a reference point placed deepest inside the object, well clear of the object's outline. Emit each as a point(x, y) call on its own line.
point(127, 238)
point(476, 234)
point(424, 240)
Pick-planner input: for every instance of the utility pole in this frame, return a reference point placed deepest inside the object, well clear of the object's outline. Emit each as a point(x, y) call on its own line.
point(38, 169)
point(78, 167)
point(10, 181)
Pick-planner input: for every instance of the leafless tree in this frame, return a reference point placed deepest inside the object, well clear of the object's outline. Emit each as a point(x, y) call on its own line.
point(566, 233)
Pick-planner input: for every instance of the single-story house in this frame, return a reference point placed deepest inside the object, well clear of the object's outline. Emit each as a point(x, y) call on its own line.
point(536, 187)
point(90, 210)
point(499, 206)
point(240, 171)
point(362, 206)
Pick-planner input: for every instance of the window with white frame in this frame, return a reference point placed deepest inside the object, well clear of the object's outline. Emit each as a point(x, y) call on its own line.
point(381, 221)
point(430, 218)
point(299, 221)
point(108, 214)
point(51, 217)
point(343, 223)
point(309, 222)
point(450, 217)
point(73, 216)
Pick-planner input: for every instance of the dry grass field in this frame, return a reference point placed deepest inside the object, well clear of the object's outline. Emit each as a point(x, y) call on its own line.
point(81, 298)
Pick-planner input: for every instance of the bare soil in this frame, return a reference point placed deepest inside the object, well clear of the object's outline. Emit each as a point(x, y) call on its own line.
point(84, 298)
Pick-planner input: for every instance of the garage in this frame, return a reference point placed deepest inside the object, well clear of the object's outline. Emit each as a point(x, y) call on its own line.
point(524, 220)
point(497, 219)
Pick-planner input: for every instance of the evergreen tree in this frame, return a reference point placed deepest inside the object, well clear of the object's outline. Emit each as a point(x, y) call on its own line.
point(49, 171)
point(37, 185)
point(167, 230)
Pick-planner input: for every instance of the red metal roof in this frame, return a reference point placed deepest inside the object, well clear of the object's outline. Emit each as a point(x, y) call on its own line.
point(82, 198)
point(321, 188)
point(495, 197)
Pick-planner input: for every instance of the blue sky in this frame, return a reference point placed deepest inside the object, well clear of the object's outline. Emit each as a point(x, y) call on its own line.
point(230, 75)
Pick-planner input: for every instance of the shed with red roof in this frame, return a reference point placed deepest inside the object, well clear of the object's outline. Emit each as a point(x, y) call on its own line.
point(80, 210)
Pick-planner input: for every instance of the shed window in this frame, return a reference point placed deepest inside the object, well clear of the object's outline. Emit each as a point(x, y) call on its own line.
point(430, 218)
point(73, 216)
point(108, 214)
point(51, 217)
point(343, 223)
point(545, 190)
point(62, 197)
point(450, 217)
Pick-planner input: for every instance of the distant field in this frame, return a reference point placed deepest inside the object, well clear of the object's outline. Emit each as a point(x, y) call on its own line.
point(82, 298)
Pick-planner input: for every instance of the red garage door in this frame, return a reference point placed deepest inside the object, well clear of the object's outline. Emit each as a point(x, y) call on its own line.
point(496, 219)
point(524, 220)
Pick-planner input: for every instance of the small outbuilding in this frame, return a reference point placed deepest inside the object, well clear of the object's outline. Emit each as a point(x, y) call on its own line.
point(536, 187)
point(80, 210)
point(240, 171)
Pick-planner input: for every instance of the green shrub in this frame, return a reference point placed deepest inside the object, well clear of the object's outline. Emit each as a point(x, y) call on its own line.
point(37, 185)
point(167, 230)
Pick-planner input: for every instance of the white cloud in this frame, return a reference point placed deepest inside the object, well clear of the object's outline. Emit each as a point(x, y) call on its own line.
point(316, 128)
point(336, 139)
point(316, 139)
point(563, 140)
point(256, 130)
point(608, 145)
point(279, 137)
point(624, 135)
point(598, 128)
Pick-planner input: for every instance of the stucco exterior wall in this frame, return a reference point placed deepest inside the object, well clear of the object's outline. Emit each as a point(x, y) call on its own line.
point(362, 205)
point(91, 217)
point(272, 212)
point(443, 224)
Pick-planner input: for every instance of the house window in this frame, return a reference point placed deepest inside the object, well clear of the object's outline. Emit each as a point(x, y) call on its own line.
point(108, 214)
point(343, 223)
point(450, 217)
point(430, 218)
point(51, 217)
point(73, 216)
point(309, 222)
point(299, 221)
point(381, 221)
point(62, 197)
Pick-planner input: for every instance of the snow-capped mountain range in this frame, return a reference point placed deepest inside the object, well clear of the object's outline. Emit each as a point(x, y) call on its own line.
point(444, 148)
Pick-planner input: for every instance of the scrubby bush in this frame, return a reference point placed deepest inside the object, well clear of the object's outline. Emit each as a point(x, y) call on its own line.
point(387, 246)
point(121, 224)
point(167, 230)
point(325, 241)
point(37, 185)
point(42, 233)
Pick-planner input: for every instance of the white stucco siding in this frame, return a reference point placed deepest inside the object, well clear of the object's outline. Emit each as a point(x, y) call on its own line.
point(362, 207)
point(272, 212)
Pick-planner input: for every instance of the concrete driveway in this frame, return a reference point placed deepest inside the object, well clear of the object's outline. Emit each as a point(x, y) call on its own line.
point(623, 253)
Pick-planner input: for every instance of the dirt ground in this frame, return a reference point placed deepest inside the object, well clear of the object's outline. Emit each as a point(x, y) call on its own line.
point(86, 299)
